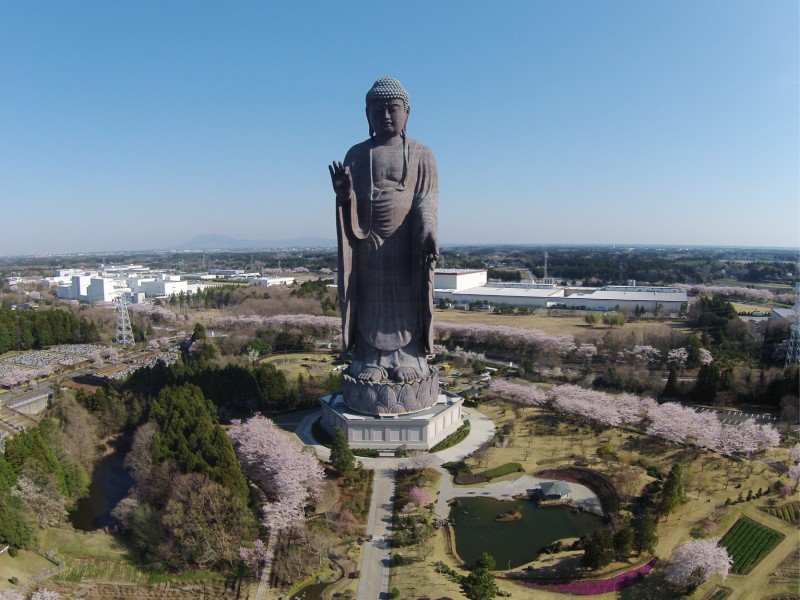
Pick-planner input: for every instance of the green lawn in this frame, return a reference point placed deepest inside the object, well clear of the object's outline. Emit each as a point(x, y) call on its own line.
point(23, 567)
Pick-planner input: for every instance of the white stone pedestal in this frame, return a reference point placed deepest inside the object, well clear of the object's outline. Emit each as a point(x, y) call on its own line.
point(415, 431)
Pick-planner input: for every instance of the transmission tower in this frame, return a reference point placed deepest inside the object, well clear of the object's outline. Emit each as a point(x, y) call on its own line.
point(124, 329)
point(793, 351)
point(545, 264)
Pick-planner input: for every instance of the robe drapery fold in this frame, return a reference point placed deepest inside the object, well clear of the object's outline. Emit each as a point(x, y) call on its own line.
point(385, 282)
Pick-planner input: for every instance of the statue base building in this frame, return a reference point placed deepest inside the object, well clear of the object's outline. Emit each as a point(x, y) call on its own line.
point(419, 430)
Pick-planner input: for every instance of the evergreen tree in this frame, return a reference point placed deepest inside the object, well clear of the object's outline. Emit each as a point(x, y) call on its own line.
point(671, 389)
point(199, 332)
point(644, 534)
point(342, 457)
point(480, 584)
point(598, 549)
point(672, 495)
point(705, 388)
point(190, 435)
point(623, 542)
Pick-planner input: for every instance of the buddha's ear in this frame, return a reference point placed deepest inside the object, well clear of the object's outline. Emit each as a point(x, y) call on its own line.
point(366, 112)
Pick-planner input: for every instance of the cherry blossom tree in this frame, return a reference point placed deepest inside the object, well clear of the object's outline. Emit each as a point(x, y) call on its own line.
point(794, 453)
point(727, 291)
point(794, 475)
point(419, 497)
point(645, 355)
point(46, 595)
point(44, 501)
point(152, 310)
point(696, 562)
point(526, 395)
point(315, 324)
point(255, 557)
point(504, 337)
point(586, 352)
point(671, 421)
point(347, 524)
point(705, 356)
point(13, 376)
point(287, 473)
point(678, 357)
point(586, 404)
point(748, 437)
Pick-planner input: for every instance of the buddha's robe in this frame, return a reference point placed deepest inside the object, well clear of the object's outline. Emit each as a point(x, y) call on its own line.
point(385, 283)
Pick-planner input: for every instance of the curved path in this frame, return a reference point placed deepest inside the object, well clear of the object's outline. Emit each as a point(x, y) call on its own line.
point(374, 579)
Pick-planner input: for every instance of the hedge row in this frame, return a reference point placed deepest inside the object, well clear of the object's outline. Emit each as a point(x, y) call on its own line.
point(458, 436)
point(505, 469)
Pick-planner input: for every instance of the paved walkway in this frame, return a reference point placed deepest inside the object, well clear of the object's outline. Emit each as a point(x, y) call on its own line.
point(374, 578)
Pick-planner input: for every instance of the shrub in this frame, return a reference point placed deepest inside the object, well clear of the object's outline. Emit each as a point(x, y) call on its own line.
point(458, 436)
point(464, 478)
point(505, 469)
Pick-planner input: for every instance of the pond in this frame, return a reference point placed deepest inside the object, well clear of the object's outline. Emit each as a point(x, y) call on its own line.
point(110, 484)
point(514, 543)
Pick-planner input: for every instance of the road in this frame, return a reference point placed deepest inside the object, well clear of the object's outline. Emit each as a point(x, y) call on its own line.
point(374, 576)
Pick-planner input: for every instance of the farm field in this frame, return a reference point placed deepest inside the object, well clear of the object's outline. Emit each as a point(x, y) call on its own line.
point(748, 542)
point(788, 512)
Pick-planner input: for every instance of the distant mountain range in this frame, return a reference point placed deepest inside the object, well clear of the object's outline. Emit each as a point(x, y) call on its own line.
point(223, 242)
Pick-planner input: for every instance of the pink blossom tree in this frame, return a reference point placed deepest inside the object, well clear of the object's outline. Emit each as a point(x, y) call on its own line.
point(671, 421)
point(794, 475)
point(419, 497)
point(585, 353)
point(255, 557)
point(794, 453)
point(13, 376)
point(586, 404)
point(645, 355)
point(288, 474)
point(695, 562)
point(46, 595)
point(748, 437)
point(524, 394)
point(678, 357)
point(705, 357)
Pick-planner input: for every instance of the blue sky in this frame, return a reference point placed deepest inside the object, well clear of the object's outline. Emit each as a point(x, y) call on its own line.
point(136, 125)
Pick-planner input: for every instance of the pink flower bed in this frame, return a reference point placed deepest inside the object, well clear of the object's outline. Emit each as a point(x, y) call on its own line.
point(603, 586)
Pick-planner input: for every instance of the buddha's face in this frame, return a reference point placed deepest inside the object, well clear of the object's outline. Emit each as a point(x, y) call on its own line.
point(387, 118)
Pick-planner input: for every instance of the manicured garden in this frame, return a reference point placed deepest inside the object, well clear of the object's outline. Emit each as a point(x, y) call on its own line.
point(747, 542)
point(788, 512)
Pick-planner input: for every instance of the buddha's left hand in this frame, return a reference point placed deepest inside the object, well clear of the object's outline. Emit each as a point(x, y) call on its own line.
point(430, 247)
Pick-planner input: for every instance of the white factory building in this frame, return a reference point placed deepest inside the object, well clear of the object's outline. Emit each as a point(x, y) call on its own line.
point(159, 286)
point(92, 288)
point(462, 287)
point(459, 279)
point(270, 280)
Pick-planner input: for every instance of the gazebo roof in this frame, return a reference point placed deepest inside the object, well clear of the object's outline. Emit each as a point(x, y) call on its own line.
point(556, 488)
